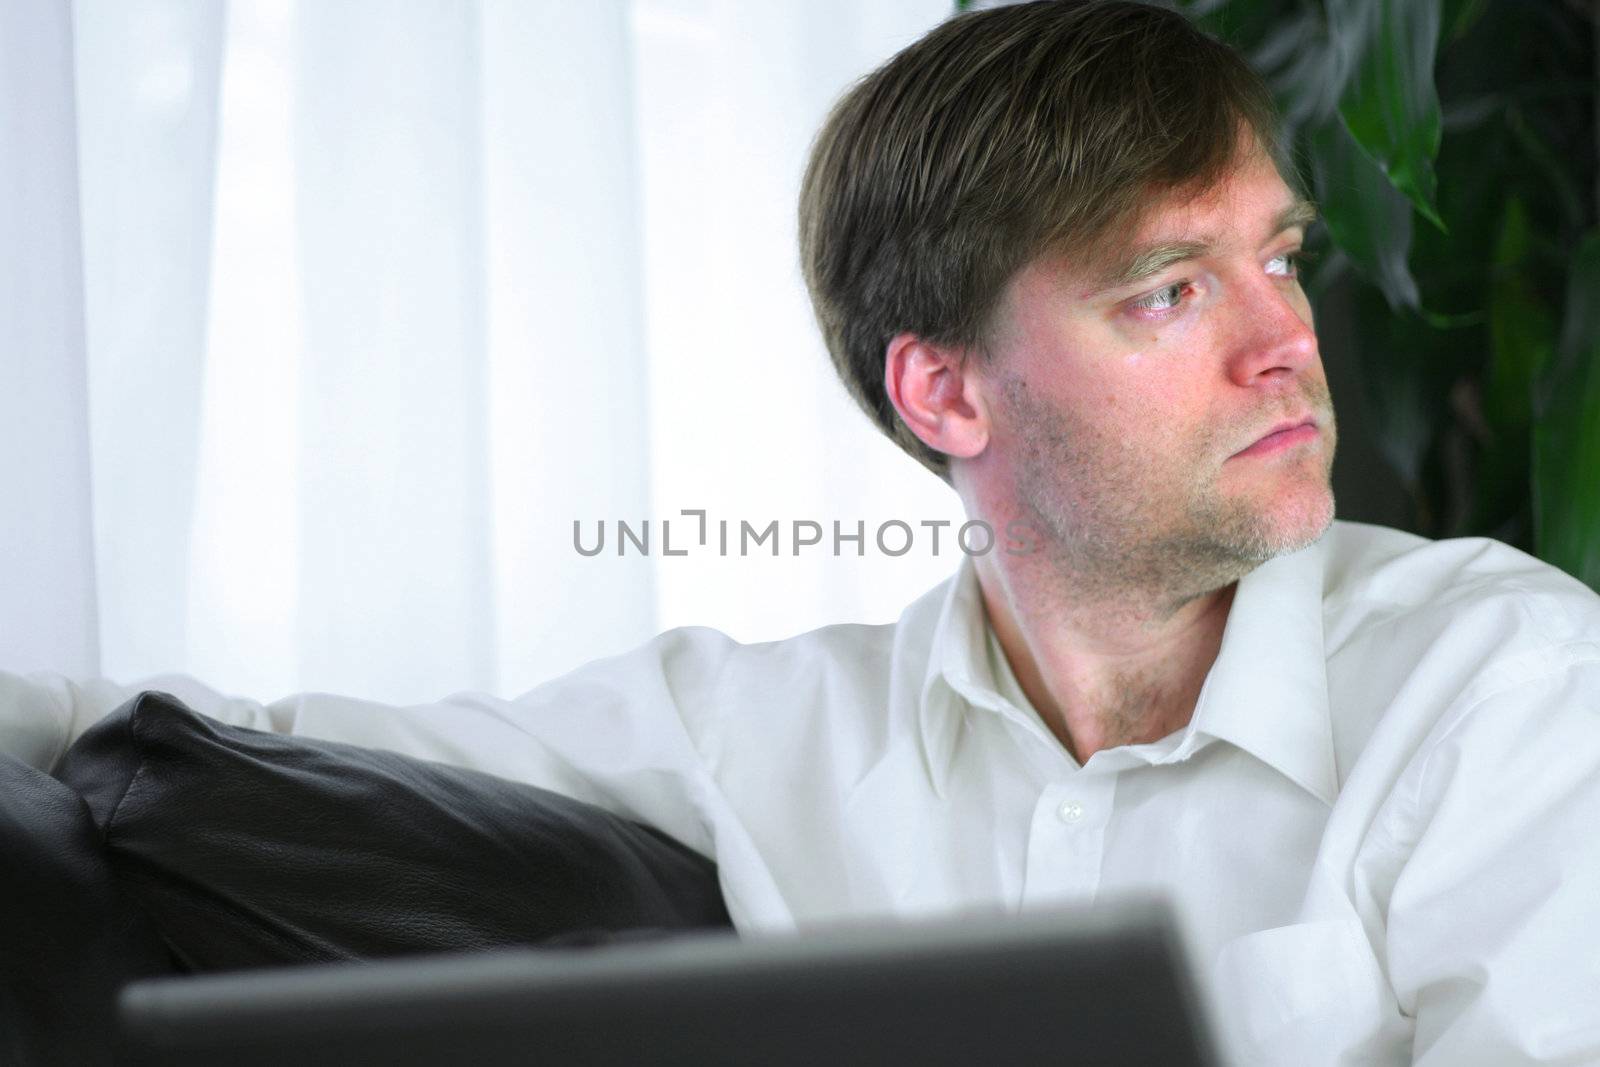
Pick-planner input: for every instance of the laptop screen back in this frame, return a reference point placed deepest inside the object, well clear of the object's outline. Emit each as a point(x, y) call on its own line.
point(1101, 987)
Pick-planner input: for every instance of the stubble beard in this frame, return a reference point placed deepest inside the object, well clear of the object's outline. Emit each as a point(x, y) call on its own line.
point(1087, 499)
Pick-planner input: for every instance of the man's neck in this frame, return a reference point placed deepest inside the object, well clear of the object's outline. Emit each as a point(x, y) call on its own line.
point(1107, 667)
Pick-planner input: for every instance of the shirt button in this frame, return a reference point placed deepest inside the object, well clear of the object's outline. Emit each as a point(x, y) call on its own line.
point(1070, 811)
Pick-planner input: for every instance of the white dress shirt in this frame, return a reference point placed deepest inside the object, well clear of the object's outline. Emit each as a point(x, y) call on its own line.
point(1374, 829)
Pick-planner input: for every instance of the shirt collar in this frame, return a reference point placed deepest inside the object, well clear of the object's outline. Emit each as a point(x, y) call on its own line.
point(1267, 692)
point(957, 670)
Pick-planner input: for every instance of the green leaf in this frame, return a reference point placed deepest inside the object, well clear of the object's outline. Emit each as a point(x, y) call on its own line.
point(1404, 381)
point(1566, 435)
point(1239, 22)
point(1460, 16)
point(1499, 494)
point(1304, 68)
point(1540, 159)
point(1390, 103)
point(1367, 217)
point(1522, 329)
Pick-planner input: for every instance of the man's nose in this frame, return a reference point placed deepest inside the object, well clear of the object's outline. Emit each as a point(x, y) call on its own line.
point(1272, 340)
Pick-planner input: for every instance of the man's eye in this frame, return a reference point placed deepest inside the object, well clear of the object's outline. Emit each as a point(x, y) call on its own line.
point(1163, 299)
point(1287, 264)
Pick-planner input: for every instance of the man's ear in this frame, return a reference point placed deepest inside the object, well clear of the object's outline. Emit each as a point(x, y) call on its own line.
point(935, 393)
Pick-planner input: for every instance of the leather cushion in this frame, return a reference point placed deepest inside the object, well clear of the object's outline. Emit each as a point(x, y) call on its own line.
point(68, 940)
point(252, 848)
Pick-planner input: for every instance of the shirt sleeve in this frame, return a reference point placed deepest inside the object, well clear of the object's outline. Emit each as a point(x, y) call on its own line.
point(41, 714)
point(1493, 921)
point(610, 733)
point(627, 734)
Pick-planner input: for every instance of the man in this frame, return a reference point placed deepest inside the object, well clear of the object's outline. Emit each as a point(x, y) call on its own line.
point(1053, 255)
point(1153, 408)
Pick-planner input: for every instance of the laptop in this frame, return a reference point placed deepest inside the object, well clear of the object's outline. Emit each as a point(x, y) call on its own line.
point(1107, 986)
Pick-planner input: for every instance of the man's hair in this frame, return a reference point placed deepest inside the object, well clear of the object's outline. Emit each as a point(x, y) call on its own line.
point(1002, 136)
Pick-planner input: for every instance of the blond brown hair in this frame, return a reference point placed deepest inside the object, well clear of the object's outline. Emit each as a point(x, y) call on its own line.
point(1001, 136)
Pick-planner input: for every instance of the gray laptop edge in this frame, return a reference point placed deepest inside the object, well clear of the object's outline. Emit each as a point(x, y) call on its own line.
point(1103, 986)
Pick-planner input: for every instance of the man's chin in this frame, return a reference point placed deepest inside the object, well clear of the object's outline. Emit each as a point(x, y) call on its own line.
point(1243, 536)
point(1293, 525)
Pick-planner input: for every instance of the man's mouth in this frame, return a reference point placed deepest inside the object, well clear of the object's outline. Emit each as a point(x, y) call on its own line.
point(1286, 434)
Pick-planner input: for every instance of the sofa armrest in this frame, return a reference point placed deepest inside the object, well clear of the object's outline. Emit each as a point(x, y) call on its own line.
point(69, 939)
point(251, 849)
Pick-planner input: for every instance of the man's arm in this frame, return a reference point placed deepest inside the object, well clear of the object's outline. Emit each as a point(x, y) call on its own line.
point(610, 733)
point(1494, 922)
point(625, 733)
point(41, 714)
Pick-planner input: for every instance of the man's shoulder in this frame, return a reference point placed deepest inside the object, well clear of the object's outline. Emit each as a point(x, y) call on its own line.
point(702, 664)
point(825, 650)
point(869, 652)
point(1443, 657)
point(1422, 635)
point(1379, 577)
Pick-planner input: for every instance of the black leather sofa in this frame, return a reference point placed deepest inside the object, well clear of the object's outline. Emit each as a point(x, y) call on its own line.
point(168, 843)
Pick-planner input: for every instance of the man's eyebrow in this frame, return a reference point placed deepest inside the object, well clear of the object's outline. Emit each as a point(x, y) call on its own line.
point(1152, 260)
point(1301, 213)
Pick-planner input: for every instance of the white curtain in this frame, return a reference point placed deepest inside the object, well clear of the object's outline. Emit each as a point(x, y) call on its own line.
point(47, 575)
point(325, 321)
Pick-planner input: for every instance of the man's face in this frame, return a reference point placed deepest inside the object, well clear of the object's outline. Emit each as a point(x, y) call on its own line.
point(1131, 408)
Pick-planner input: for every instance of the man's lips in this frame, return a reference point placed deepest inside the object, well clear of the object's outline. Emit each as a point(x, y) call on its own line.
point(1286, 434)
